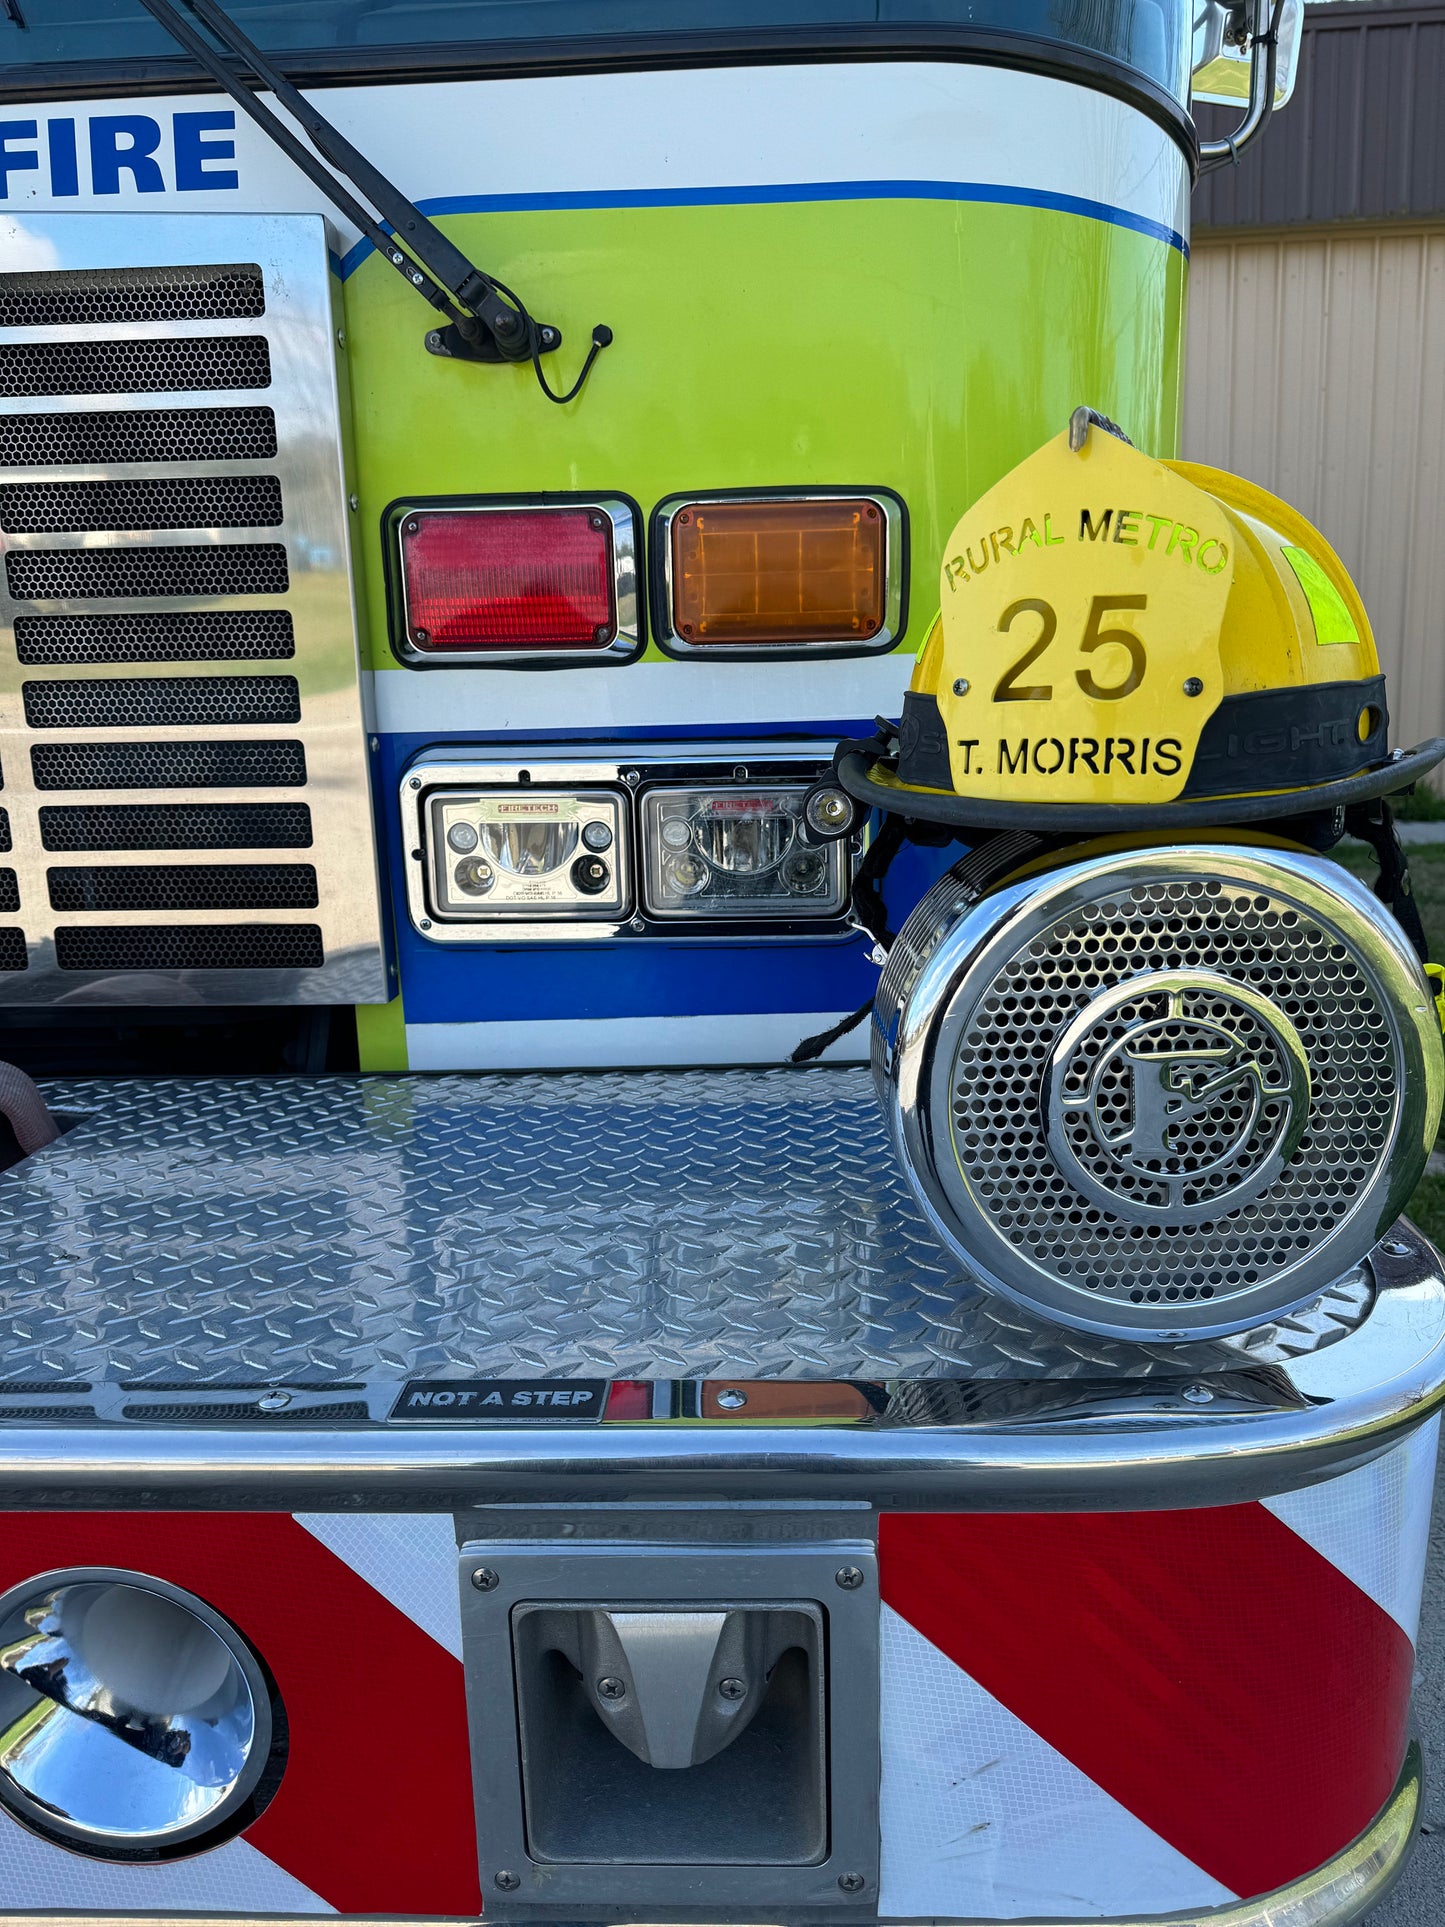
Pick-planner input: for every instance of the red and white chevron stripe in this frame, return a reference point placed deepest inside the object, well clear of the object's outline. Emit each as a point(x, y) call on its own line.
point(1093, 1714)
point(1084, 1714)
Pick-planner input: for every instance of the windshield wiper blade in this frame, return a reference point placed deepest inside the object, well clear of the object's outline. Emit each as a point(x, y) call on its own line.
point(486, 321)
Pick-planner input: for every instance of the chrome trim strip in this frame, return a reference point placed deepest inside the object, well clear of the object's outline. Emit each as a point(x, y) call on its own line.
point(622, 518)
point(1350, 1402)
point(1337, 1894)
point(895, 563)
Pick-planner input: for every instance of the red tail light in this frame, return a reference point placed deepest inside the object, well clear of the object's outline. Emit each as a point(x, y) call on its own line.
point(504, 581)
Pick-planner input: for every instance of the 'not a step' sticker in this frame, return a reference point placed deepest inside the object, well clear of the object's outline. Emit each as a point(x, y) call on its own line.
point(427, 1400)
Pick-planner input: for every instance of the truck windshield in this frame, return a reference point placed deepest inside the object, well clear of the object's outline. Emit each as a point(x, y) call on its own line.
point(1150, 36)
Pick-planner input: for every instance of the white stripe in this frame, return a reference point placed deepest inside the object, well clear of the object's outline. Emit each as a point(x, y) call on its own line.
point(653, 695)
point(699, 129)
point(233, 1879)
point(624, 1043)
point(1374, 1524)
point(410, 1558)
point(982, 1818)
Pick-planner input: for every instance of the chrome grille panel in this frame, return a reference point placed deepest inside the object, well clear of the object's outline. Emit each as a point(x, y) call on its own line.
point(124, 367)
point(92, 297)
point(178, 502)
point(139, 435)
point(1092, 1087)
point(202, 635)
point(207, 528)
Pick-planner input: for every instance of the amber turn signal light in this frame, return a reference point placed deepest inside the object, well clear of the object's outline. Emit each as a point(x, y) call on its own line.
point(759, 572)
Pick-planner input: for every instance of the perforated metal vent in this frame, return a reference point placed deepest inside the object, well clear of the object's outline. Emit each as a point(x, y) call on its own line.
point(116, 553)
point(1172, 1089)
point(174, 826)
point(183, 886)
point(209, 946)
point(97, 297)
point(168, 766)
point(62, 575)
point(177, 502)
point(13, 953)
point(194, 635)
point(161, 702)
point(134, 367)
point(4, 829)
point(138, 435)
point(9, 890)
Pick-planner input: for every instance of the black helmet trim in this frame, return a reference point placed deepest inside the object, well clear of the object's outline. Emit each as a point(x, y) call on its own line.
point(854, 764)
point(1271, 739)
point(1263, 739)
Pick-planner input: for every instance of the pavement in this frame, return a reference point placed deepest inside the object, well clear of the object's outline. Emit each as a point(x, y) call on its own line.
point(1419, 1899)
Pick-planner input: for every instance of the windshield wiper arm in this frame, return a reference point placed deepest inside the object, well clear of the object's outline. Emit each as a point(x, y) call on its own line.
point(486, 321)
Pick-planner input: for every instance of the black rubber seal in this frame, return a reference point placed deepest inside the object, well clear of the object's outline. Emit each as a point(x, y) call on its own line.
point(1097, 819)
point(1269, 738)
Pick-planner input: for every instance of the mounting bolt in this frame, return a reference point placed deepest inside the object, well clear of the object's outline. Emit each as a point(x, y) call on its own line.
point(412, 527)
point(484, 1578)
point(375, 744)
point(421, 635)
point(960, 687)
point(740, 772)
point(354, 501)
point(416, 856)
point(425, 923)
point(852, 1883)
point(731, 1399)
point(1193, 686)
point(507, 1880)
point(1396, 1247)
point(273, 1401)
point(415, 783)
point(1198, 1394)
point(397, 257)
point(631, 778)
point(850, 1578)
point(434, 340)
point(611, 1689)
point(733, 1689)
point(637, 926)
point(601, 632)
point(417, 280)
point(341, 337)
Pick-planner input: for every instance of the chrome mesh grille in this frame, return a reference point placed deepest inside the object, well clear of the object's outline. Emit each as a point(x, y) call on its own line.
point(138, 435)
point(183, 886)
point(208, 946)
point(181, 561)
point(161, 702)
point(168, 766)
point(998, 1067)
point(176, 502)
point(134, 367)
point(61, 575)
point(173, 826)
point(100, 297)
point(190, 635)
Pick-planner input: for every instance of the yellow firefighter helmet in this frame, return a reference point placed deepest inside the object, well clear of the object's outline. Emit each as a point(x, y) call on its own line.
point(1144, 643)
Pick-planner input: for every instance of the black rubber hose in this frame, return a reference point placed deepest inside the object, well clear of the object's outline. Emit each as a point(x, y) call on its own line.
point(26, 1110)
point(1100, 819)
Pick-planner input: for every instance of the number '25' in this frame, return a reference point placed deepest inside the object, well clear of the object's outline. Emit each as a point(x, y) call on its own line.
point(1095, 636)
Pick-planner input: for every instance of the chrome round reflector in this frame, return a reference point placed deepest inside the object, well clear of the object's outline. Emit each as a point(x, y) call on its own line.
point(133, 1720)
point(1161, 1095)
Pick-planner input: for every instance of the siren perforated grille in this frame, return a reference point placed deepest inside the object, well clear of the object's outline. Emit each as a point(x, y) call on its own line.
point(1151, 1101)
point(106, 567)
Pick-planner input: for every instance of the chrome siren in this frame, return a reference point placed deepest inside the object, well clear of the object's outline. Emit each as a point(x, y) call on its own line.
point(1160, 1095)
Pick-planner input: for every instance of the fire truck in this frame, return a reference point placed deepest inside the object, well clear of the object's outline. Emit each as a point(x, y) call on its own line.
point(703, 1163)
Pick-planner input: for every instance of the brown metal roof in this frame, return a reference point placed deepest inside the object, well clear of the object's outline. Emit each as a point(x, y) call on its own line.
point(1363, 138)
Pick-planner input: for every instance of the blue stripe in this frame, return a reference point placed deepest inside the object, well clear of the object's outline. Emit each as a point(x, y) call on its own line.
point(983, 191)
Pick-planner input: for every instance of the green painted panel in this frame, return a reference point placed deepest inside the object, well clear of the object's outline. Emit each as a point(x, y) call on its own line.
point(922, 345)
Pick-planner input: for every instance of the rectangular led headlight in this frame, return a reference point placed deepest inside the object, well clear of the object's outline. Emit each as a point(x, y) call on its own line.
point(737, 852)
point(520, 853)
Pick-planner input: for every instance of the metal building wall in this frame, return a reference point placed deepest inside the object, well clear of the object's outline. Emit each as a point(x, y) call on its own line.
point(1316, 366)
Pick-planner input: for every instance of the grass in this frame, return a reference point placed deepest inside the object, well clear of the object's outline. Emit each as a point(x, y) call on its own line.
point(1422, 804)
point(1427, 874)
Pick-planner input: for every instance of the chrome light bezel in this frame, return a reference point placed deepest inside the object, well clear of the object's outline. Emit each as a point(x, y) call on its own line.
point(895, 578)
point(922, 1013)
point(632, 771)
point(624, 521)
point(225, 1816)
